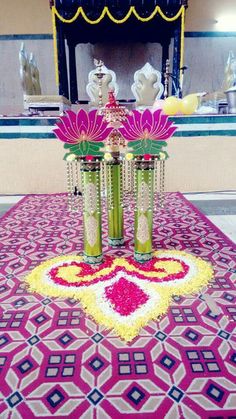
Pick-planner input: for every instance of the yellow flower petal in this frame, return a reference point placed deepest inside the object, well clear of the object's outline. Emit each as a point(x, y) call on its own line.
point(108, 156)
point(162, 156)
point(129, 156)
point(71, 157)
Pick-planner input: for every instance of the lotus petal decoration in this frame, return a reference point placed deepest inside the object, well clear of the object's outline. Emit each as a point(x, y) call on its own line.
point(147, 125)
point(84, 126)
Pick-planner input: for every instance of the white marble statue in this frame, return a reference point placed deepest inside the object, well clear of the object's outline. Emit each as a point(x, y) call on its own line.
point(108, 83)
point(25, 71)
point(34, 75)
point(147, 86)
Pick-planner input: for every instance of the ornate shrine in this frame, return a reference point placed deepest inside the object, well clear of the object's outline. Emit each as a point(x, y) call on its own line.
point(83, 21)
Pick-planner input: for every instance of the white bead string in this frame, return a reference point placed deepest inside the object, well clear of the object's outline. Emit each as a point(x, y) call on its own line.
point(162, 183)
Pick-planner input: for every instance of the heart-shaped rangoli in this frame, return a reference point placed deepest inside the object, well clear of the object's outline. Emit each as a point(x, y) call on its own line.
point(120, 293)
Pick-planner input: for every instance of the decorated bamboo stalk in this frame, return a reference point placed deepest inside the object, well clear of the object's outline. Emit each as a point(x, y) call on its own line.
point(146, 132)
point(115, 145)
point(114, 198)
point(90, 171)
point(144, 175)
point(113, 130)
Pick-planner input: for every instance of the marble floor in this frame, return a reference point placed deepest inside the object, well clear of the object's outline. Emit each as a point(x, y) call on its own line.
point(219, 207)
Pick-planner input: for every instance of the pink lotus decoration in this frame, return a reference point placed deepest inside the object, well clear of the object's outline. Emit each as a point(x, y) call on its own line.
point(147, 125)
point(84, 126)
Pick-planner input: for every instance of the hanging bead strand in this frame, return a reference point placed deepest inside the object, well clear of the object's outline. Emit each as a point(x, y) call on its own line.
point(73, 183)
point(132, 181)
point(69, 170)
point(98, 188)
point(80, 197)
point(90, 198)
point(68, 183)
point(142, 191)
point(162, 183)
point(124, 179)
point(129, 186)
point(150, 190)
point(125, 182)
point(121, 182)
point(76, 191)
point(135, 187)
point(155, 183)
point(109, 187)
point(105, 179)
point(101, 179)
point(82, 167)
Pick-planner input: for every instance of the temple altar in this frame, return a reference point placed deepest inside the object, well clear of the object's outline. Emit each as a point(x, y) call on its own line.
point(76, 22)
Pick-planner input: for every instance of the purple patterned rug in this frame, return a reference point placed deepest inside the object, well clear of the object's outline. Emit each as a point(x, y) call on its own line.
point(55, 361)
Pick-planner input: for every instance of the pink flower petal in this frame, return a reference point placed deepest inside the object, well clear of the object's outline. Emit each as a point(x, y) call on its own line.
point(159, 119)
point(147, 122)
point(73, 126)
point(155, 125)
point(137, 117)
point(82, 122)
point(165, 129)
point(63, 129)
point(99, 127)
point(125, 296)
point(63, 137)
point(167, 134)
point(131, 129)
point(68, 120)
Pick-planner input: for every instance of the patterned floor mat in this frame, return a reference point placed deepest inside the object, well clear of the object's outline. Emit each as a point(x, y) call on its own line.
point(56, 361)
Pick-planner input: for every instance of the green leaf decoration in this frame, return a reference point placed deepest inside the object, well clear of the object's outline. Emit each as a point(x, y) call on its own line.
point(84, 148)
point(147, 146)
point(95, 149)
point(66, 145)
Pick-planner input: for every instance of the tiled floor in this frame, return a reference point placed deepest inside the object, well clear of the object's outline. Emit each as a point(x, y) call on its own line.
point(219, 207)
point(7, 201)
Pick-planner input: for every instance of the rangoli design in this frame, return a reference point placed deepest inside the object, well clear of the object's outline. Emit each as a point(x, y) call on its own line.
point(122, 294)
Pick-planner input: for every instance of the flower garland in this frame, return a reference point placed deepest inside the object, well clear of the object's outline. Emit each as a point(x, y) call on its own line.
point(122, 294)
point(106, 11)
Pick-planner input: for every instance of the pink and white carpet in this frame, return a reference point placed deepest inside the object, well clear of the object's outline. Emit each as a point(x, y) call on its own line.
point(56, 361)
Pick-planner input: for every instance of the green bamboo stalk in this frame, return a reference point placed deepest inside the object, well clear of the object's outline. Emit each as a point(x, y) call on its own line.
point(115, 207)
point(92, 213)
point(143, 223)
